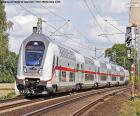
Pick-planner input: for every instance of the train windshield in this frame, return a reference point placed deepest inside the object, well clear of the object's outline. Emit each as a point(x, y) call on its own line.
point(34, 53)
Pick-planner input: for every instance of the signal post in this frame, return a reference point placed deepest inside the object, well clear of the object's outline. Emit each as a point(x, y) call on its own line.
point(134, 23)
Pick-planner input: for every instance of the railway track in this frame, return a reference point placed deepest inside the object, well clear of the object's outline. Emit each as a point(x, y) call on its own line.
point(18, 102)
point(41, 106)
point(92, 104)
point(52, 108)
point(22, 100)
point(11, 99)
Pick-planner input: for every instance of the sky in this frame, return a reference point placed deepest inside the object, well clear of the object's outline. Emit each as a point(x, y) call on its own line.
point(81, 24)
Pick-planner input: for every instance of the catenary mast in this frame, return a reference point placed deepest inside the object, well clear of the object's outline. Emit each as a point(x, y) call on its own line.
point(134, 22)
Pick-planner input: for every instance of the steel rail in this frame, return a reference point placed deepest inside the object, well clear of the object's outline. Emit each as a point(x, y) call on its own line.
point(66, 102)
point(4, 107)
point(87, 107)
point(11, 99)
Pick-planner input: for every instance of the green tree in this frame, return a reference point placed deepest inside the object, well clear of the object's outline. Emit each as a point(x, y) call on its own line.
point(121, 56)
point(3, 34)
point(8, 69)
point(7, 58)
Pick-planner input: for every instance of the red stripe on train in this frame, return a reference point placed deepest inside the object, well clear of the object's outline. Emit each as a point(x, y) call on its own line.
point(83, 71)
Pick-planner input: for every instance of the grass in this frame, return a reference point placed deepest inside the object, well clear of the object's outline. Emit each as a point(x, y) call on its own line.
point(8, 96)
point(131, 108)
point(7, 86)
point(137, 102)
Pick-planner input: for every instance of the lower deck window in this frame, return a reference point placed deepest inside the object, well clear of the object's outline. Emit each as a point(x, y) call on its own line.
point(121, 78)
point(71, 77)
point(113, 78)
point(89, 77)
point(103, 78)
point(62, 77)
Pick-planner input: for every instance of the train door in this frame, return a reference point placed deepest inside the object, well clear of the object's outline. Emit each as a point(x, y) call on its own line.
point(98, 75)
point(82, 72)
point(109, 76)
point(79, 73)
point(71, 74)
point(55, 72)
point(62, 74)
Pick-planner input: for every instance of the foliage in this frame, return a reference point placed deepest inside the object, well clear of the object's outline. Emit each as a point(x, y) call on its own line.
point(8, 68)
point(130, 108)
point(7, 58)
point(8, 96)
point(121, 56)
point(3, 34)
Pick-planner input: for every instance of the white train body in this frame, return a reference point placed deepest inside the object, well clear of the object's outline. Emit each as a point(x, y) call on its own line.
point(46, 66)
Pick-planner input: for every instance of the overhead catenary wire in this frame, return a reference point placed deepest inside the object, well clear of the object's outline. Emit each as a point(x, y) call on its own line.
point(81, 34)
point(37, 17)
point(27, 10)
point(94, 17)
point(70, 39)
point(101, 55)
point(72, 24)
point(86, 48)
point(92, 14)
point(56, 30)
point(52, 12)
point(101, 17)
point(65, 20)
point(92, 2)
point(59, 28)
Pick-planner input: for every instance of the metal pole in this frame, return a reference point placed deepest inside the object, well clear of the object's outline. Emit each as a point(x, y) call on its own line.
point(124, 62)
point(95, 52)
point(39, 25)
point(138, 53)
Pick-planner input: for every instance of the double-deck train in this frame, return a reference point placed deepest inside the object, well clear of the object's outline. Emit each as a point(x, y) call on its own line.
point(45, 66)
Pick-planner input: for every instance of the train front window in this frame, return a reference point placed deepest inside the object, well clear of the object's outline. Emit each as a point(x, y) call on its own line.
point(34, 53)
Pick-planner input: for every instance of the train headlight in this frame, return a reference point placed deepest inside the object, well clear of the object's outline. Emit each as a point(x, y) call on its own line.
point(40, 71)
point(25, 69)
point(26, 80)
point(37, 81)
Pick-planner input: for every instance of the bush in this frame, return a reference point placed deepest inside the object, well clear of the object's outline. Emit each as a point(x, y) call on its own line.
point(8, 68)
point(6, 77)
point(8, 96)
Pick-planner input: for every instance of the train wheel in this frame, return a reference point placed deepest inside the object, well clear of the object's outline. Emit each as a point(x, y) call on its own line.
point(77, 87)
point(54, 88)
point(108, 84)
point(118, 84)
point(96, 85)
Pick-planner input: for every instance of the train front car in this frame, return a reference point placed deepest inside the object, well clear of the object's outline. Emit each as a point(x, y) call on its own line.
point(34, 65)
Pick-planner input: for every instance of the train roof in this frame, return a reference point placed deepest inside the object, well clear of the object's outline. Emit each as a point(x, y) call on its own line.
point(37, 37)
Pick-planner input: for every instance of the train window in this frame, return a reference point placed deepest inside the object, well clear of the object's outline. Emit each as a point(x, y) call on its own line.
point(34, 51)
point(103, 78)
point(98, 69)
point(81, 66)
point(53, 60)
point(89, 77)
point(57, 61)
point(121, 78)
point(113, 78)
point(63, 77)
point(53, 63)
point(71, 77)
point(77, 66)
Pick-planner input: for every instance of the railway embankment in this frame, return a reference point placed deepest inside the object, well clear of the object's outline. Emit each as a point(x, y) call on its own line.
point(131, 108)
point(6, 90)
